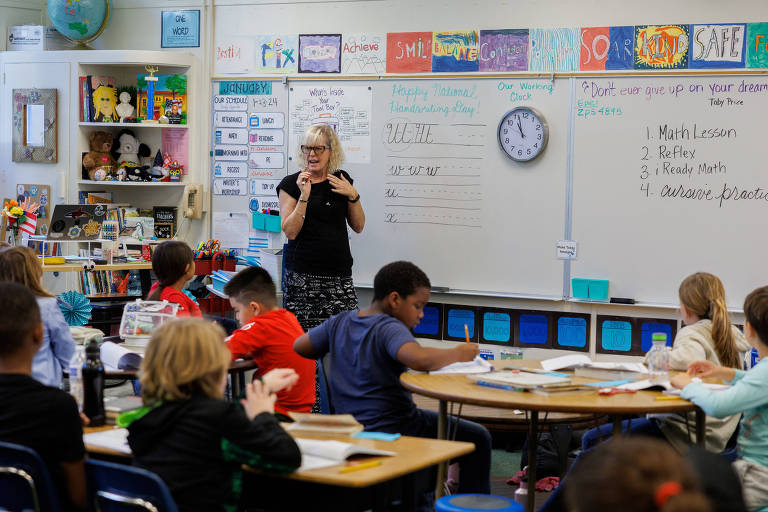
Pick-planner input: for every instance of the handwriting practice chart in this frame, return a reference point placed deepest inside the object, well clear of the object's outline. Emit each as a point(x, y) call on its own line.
point(440, 192)
point(670, 179)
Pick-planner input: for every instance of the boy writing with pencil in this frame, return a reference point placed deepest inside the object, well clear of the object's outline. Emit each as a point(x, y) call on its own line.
point(746, 395)
point(266, 335)
point(31, 414)
point(370, 348)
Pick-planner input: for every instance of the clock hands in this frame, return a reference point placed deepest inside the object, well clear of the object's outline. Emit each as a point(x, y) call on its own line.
point(519, 127)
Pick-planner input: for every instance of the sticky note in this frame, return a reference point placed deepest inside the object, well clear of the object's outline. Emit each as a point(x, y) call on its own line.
point(497, 327)
point(572, 331)
point(616, 335)
point(457, 318)
point(533, 329)
point(647, 329)
point(430, 323)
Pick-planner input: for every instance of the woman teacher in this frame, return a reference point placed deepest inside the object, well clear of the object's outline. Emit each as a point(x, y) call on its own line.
point(316, 204)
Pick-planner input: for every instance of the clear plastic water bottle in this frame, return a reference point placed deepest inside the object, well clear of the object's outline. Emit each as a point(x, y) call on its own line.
point(658, 359)
point(76, 376)
point(134, 283)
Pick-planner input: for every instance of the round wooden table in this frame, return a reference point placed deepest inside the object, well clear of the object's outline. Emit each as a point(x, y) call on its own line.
point(460, 389)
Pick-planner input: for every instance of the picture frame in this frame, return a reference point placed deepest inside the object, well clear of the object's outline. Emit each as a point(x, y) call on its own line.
point(34, 133)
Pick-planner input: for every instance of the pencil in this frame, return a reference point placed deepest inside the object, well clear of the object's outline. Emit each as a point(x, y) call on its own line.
point(666, 397)
point(364, 465)
point(466, 332)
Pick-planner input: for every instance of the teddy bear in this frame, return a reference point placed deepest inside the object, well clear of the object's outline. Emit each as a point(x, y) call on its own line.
point(98, 162)
point(130, 149)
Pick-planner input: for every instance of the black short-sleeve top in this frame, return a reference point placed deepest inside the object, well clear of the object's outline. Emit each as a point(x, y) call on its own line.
point(322, 245)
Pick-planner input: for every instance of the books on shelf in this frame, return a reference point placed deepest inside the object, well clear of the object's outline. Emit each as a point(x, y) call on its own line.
point(477, 365)
point(320, 454)
point(307, 423)
point(100, 282)
point(118, 357)
point(97, 99)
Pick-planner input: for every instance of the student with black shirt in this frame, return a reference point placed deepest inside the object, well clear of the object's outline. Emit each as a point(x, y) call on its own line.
point(316, 204)
point(32, 414)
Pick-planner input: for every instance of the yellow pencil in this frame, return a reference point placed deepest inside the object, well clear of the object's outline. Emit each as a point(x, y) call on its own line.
point(466, 332)
point(364, 465)
point(665, 397)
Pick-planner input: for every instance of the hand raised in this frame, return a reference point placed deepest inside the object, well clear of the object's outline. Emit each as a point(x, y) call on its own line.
point(340, 185)
point(257, 400)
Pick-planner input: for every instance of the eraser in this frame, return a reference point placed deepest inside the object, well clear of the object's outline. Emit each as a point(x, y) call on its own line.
point(622, 300)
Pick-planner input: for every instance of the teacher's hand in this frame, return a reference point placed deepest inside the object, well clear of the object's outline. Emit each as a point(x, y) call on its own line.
point(342, 186)
point(304, 183)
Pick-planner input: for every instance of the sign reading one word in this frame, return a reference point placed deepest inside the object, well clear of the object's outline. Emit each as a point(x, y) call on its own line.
point(180, 29)
point(266, 161)
point(231, 119)
point(231, 136)
point(266, 137)
point(266, 120)
point(230, 187)
point(230, 169)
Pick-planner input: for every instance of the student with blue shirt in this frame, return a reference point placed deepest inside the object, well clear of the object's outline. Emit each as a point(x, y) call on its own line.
point(21, 265)
point(368, 351)
point(748, 395)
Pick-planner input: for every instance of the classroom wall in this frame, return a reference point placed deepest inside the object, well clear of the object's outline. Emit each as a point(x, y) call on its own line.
point(17, 12)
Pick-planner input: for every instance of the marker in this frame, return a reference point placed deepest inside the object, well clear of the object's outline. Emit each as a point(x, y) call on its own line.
point(364, 465)
point(466, 332)
point(496, 386)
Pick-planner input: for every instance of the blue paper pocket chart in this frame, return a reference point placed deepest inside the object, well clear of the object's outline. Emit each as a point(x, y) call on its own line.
point(534, 328)
point(431, 325)
point(651, 326)
point(572, 331)
point(497, 326)
point(455, 318)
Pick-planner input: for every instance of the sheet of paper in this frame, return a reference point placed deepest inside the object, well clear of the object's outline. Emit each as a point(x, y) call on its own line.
point(231, 229)
point(570, 361)
point(115, 439)
point(477, 365)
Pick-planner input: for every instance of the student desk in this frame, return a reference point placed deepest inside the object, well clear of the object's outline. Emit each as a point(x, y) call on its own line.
point(458, 388)
point(369, 488)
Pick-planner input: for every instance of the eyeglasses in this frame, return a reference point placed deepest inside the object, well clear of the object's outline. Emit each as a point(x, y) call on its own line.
point(319, 150)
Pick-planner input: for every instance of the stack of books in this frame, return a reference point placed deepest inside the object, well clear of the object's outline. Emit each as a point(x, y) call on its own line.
point(539, 383)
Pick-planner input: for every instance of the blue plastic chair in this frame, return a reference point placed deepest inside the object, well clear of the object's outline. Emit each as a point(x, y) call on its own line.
point(119, 488)
point(24, 480)
point(477, 502)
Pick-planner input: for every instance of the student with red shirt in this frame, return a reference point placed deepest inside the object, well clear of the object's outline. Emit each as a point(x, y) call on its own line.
point(267, 335)
point(174, 264)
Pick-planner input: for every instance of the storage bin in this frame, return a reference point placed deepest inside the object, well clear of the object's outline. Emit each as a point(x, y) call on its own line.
point(580, 288)
point(598, 289)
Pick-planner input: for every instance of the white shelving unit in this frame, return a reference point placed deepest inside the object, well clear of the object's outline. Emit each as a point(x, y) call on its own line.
point(131, 183)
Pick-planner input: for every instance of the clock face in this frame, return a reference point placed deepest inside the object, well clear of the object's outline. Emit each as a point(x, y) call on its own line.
point(523, 134)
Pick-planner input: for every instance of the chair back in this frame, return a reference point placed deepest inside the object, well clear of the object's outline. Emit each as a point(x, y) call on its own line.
point(119, 488)
point(24, 480)
point(323, 375)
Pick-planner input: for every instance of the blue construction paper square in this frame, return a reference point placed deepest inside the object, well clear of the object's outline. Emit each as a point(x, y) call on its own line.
point(572, 331)
point(647, 330)
point(430, 323)
point(622, 49)
point(533, 329)
point(497, 327)
point(457, 318)
point(617, 335)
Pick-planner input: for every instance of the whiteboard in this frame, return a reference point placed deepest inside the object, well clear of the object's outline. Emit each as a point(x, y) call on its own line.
point(439, 192)
point(669, 179)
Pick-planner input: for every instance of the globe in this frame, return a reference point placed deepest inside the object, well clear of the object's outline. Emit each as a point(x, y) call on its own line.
point(80, 21)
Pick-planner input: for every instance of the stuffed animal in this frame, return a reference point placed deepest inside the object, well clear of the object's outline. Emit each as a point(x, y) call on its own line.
point(130, 149)
point(133, 173)
point(98, 162)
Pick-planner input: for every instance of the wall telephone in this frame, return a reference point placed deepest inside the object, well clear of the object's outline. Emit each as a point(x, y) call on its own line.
point(192, 203)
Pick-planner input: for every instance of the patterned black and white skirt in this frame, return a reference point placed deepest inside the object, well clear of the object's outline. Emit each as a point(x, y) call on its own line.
point(315, 299)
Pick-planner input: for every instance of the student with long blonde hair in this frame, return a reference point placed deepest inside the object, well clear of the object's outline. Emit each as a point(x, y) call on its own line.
point(21, 265)
point(188, 434)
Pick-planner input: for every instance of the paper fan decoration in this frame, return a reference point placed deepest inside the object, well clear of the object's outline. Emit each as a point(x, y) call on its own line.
point(75, 307)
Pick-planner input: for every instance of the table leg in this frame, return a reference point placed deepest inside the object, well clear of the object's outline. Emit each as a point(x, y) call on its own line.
point(236, 381)
point(617, 426)
point(442, 433)
point(701, 430)
point(533, 432)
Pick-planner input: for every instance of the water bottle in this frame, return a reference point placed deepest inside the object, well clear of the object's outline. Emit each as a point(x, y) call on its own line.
point(93, 385)
point(134, 283)
point(76, 376)
point(658, 359)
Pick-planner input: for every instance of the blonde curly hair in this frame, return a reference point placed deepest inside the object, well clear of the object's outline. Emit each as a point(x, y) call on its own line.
point(314, 136)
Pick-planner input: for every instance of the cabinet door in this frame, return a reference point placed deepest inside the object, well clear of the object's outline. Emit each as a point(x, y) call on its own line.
point(40, 75)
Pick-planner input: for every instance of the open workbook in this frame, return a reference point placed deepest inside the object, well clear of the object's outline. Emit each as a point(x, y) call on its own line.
point(320, 454)
point(307, 423)
point(583, 366)
point(477, 365)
